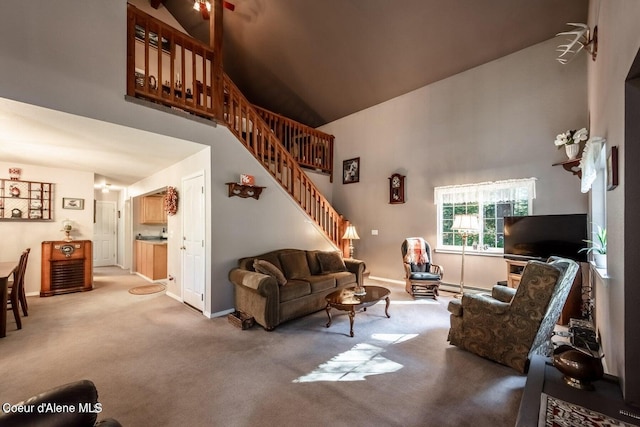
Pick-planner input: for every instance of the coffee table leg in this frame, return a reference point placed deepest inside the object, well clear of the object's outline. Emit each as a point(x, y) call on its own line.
point(328, 308)
point(352, 315)
point(386, 308)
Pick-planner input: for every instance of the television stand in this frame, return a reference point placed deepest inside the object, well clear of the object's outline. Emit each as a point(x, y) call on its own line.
point(514, 272)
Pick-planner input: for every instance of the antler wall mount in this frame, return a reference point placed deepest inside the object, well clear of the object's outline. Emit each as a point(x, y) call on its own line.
point(580, 38)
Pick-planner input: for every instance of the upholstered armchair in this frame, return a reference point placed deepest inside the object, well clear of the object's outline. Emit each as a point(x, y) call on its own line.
point(422, 277)
point(511, 325)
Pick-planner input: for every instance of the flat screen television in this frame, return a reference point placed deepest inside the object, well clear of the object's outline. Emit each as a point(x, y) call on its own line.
point(541, 236)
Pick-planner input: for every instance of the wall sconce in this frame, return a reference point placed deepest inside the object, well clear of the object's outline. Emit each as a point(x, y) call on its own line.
point(106, 188)
point(580, 38)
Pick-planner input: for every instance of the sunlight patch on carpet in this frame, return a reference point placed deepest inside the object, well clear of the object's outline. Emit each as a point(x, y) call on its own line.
point(416, 302)
point(359, 362)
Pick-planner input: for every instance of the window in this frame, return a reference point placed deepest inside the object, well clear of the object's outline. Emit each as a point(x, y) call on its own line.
point(491, 201)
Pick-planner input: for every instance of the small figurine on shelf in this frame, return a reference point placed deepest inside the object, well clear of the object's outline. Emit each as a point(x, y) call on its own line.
point(66, 227)
point(14, 190)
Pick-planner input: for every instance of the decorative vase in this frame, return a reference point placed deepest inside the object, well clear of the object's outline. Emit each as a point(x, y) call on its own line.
point(579, 368)
point(572, 150)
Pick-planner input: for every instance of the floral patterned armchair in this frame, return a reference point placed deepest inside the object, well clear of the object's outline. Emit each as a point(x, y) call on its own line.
point(511, 325)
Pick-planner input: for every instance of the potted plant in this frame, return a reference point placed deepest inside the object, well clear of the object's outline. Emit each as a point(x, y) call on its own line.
point(598, 247)
point(571, 140)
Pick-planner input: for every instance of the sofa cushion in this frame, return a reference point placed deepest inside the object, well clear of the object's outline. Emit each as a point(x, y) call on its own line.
point(424, 276)
point(344, 278)
point(265, 267)
point(273, 258)
point(295, 265)
point(321, 282)
point(295, 288)
point(331, 262)
point(314, 265)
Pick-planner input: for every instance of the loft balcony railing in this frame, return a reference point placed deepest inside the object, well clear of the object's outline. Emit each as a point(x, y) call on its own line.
point(166, 66)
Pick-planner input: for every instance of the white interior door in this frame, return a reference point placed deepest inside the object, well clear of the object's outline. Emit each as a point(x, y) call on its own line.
point(104, 234)
point(193, 241)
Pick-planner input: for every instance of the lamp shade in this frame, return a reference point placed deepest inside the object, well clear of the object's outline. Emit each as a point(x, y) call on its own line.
point(465, 223)
point(351, 233)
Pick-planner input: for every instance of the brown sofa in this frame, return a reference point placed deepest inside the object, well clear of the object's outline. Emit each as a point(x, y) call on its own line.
point(293, 283)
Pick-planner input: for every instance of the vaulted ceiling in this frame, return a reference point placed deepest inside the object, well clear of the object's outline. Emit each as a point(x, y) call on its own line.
point(319, 60)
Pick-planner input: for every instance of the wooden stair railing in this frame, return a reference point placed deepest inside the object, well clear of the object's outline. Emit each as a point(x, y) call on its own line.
point(310, 147)
point(244, 121)
point(166, 66)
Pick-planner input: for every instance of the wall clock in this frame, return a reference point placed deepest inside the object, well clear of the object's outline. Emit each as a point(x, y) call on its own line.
point(396, 188)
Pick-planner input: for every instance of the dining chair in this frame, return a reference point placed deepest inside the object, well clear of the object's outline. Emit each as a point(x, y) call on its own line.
point(17, 294)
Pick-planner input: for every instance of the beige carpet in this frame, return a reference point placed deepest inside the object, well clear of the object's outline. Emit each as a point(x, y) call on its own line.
point(157, 362)
point(147, 289)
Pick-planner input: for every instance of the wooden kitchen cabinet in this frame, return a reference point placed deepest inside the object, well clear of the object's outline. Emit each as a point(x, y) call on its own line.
point(151, 259)
point(152, 210)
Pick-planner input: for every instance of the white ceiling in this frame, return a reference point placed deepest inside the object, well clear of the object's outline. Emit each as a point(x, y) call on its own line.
point(118, 155)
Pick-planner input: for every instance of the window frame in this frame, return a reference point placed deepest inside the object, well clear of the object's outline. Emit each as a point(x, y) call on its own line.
point(479, 194)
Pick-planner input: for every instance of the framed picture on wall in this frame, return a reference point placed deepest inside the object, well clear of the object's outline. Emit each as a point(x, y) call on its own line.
point(72, 203)
point(351, 171)
point(612, 168)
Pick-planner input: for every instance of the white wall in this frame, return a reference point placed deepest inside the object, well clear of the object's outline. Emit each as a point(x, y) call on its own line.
point(19, 235)
point(619, 41)
point(497, 121)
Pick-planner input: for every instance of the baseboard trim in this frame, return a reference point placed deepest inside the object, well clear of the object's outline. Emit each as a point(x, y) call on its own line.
point(447, 287)
point(221, 313)
point(174, 296)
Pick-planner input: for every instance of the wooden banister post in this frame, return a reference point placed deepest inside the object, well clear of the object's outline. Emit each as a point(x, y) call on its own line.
point(215, 41)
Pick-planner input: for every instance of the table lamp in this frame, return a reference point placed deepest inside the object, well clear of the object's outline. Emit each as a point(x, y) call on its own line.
point(351, 234)
point(465, 225)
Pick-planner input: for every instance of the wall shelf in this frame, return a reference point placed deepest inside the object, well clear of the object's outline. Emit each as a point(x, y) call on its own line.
point(25, 200)
point(244, 191)
point(572, 166)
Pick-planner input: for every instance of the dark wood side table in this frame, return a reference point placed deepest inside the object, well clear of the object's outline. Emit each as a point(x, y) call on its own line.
point(544, 378)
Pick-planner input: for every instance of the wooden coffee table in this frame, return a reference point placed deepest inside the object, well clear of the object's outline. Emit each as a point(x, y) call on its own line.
point(346, 300)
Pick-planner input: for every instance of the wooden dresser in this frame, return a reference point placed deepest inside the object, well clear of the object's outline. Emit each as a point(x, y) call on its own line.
point(66, 267)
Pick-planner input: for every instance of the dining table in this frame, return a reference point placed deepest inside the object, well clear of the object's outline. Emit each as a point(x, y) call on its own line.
point(6, 270)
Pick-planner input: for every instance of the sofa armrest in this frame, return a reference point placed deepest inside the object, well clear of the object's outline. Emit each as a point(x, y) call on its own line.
point(503, 293)
point(263, 284)
point(483, 303)
point(357, 267)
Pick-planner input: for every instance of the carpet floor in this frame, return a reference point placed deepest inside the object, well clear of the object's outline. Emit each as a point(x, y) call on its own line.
point(157, 362)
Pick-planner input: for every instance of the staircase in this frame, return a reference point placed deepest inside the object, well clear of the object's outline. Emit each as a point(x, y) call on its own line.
point(168, 67)
point(246, 122)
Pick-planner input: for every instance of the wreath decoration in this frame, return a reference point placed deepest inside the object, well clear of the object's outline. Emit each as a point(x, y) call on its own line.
point(171, 201)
